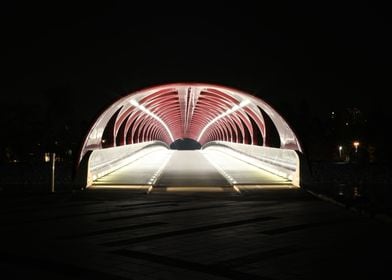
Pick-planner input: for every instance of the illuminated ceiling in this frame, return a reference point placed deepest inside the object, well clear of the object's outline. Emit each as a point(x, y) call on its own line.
point(202, 112)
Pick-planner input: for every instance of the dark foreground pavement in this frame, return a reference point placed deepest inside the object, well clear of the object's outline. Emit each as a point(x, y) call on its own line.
point(269, 234)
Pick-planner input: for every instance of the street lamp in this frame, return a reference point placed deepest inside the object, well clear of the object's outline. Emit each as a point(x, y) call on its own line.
point(356, 145)
point(340, 152)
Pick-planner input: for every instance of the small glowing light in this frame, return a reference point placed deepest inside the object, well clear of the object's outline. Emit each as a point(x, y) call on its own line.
point(244, 103)
point(134, 102)
point(149, 189)
point(47, 157)
point(346, 123)
point(340, 150)
point(356, 145)
point(237, 189)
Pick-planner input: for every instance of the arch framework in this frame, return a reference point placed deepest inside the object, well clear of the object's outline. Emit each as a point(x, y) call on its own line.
point(202, 112)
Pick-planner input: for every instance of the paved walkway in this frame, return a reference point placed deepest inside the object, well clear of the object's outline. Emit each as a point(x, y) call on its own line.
point(190, 168)
point(174, 168)
point(268, 234)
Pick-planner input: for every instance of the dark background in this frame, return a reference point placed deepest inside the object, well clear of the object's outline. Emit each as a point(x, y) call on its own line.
point(63, 63)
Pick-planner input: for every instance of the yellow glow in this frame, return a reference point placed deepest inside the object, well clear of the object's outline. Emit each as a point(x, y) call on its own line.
point(356, 145)
point(260, 187)
point(47, 157)
point(155, 155)
point(131, 187)
point(149, 189)
point(145, 172)
point(236, 189)
point(195, 189)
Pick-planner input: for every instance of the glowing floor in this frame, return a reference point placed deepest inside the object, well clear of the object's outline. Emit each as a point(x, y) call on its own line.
point(189, 169)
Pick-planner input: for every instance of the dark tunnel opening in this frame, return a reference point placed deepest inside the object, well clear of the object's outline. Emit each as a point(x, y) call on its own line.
point(185, 144)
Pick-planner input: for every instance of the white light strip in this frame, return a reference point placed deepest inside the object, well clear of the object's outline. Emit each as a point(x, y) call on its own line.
point(148, 112)
point(156, 175)
point(228, 112)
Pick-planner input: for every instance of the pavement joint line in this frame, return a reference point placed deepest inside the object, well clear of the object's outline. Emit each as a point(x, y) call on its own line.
point(159, 213)
point(258, 256)
point(190, 265)
point(111, 230)
point(303, 226)
point(147, 203)
point(186, 231)
point(326, 198)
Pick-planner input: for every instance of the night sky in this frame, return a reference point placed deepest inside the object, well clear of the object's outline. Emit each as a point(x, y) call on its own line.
point(78, 59)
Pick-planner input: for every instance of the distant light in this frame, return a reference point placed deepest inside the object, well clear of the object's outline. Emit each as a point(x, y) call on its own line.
point(47, 157)
point(356, 145)
point(340, 151)
point(346, 123)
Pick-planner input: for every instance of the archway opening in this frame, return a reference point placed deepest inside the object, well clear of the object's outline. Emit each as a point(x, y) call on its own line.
point(191, 134)
point(185, 144)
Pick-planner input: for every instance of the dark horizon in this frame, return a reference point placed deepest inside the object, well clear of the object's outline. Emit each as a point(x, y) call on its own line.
point(232, 210)
point(65, 64)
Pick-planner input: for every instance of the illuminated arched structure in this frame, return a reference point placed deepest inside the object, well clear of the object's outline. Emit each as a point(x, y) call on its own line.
point(202, 112)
